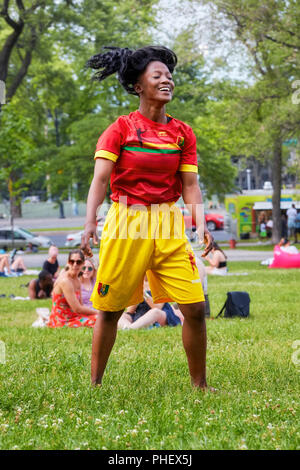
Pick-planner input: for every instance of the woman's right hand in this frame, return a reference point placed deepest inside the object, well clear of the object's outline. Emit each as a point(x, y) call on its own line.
point(90, 231)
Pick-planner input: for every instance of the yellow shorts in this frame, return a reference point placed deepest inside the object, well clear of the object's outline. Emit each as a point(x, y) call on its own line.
point(138, 240)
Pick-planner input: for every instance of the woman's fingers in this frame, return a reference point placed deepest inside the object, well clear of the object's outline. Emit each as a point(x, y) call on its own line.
point(85, 244)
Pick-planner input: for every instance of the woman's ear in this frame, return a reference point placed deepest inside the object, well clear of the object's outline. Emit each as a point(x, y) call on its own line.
point(138, 88)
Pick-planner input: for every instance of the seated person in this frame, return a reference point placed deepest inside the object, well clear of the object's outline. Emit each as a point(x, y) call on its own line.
point(285, 246)
point(51, 264)
point(17, 265)
point(41, 288)
point(67, 308)
point(217, 260)
point(203, 277)
point(87, 281)
point(4, 265)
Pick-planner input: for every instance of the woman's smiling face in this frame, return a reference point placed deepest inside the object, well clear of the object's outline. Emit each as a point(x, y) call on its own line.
point(88, 270)
point(75, 263)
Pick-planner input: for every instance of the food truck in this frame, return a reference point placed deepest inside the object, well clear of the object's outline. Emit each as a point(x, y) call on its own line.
point(246, 207)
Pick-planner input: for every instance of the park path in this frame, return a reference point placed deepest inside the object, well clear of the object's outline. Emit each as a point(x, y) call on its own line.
point(36, 260)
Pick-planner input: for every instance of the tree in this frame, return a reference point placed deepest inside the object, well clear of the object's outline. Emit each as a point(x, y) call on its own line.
point(27, 25)
point(195, 104)
point(18, 157)
point(43, 52)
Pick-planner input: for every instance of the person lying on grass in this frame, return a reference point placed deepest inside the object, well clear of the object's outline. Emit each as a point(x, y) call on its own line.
point(41, 288)
point(67, 308)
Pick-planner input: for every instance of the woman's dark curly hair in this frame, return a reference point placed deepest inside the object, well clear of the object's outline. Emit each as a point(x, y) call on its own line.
point(129, 64)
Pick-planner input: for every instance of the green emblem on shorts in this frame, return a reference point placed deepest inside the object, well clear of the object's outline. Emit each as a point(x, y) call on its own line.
point(102, 289)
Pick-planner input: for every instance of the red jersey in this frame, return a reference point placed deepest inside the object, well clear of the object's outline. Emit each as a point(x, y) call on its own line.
point(148, 157)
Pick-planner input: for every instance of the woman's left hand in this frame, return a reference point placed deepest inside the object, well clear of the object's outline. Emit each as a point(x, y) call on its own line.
point(208, 240)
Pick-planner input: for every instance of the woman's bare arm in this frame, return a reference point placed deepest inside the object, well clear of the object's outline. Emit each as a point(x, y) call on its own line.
point(31, 289)
point(97, 191)
point(70, 295)
point(192, 196)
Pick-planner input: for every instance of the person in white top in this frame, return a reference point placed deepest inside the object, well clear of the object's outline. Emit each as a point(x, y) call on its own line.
point(285, 246)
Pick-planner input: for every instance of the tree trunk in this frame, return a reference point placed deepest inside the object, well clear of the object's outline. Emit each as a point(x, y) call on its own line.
point(7, 49)
point(14, 204)
point(276, 181)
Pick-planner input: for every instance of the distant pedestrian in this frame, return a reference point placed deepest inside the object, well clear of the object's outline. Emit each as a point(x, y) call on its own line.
point(291, 221)
point(297, 226)
point(269, 227)
point(284, 228)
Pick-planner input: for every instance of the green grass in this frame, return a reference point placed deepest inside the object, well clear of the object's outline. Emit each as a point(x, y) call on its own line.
point(146, 401)
point(262, 247)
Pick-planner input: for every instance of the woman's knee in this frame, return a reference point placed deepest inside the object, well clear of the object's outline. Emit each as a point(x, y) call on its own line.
point(110, 317)
point(159, 315)
point(194, 312)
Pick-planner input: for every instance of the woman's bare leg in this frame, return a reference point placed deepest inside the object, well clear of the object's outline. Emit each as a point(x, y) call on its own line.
point(4, 263)
point(194, 341)
point(18, 264)
point(150, 317)
point(125, 321)
point(105, 331)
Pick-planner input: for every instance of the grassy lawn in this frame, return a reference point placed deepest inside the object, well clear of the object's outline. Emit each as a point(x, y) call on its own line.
point(146, 402)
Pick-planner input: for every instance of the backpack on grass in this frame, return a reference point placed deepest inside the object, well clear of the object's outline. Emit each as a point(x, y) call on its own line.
point(237, 304)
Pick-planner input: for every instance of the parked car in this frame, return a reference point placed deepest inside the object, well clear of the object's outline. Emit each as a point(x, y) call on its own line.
point(213, 221)
point(21, 238)
point(73, 240)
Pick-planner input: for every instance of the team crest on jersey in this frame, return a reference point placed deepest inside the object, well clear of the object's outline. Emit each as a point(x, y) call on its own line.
point(180, 141)
point(102, 289)
point(162, 134)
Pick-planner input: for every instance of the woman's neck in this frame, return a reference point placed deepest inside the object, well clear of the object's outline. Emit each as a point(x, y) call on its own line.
point(154, 112)
point(87, 282)
point(72, 276)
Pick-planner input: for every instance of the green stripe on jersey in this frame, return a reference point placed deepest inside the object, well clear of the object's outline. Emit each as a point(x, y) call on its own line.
point(140, 149)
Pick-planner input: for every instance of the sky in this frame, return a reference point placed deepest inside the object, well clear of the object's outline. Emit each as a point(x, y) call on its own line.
point(177, 15)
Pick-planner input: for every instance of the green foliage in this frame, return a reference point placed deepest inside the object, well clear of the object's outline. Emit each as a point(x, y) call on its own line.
point(194, 103)
point(17, 151)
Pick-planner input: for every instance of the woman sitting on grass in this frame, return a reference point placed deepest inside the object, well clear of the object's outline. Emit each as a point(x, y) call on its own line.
point(67, 308)
point(87, 280)
point(147, 313)
point(51, 264)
